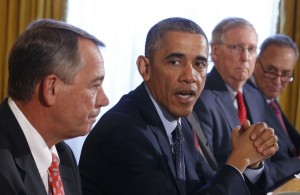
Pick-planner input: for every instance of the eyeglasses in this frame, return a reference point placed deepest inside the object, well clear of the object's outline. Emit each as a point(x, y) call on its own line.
point(271, 73)
point(239, 49)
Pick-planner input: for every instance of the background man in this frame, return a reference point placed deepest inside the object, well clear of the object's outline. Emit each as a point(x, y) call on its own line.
point(273, 71)
point(55, 92)
point(227, 101)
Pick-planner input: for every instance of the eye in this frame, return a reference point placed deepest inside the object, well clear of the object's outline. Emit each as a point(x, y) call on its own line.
point(252, 49)
point(237, 48)
point(175, 62)
point(286, 74)
point(201, 64)
point(271, 69)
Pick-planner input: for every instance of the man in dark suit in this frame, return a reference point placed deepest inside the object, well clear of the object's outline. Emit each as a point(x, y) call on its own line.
point(273, 71)
point(144, 145)
point(233, 51)
point(55, 76)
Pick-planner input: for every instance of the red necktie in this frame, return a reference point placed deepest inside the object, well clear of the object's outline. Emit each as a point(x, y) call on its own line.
point(242, 112)
point(56, 186)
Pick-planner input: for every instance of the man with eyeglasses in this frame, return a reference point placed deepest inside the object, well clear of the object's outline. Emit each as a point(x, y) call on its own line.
point(233, 51)
point(273, 71)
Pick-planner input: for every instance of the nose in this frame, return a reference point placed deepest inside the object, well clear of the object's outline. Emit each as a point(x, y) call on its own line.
point(189, 74)
point(101, 99)
point(245, 55)
point(277, 80)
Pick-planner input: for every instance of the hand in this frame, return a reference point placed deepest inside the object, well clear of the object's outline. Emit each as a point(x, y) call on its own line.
point(264, 139)
point(251, 144)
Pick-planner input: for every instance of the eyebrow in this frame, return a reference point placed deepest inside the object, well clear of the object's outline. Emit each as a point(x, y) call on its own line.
point(180, 55)
point(98, 78)
point(274, 67)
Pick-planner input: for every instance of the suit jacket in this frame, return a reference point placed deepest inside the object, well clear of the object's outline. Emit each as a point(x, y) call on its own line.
point(217, 114)
point(285, 163)
point(202, 141)
point(128, 152)
point(18, 171)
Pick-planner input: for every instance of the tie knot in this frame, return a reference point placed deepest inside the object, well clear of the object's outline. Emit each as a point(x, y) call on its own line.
point(239, 95)
point(176, 134)
point(54, 163)
point(274, 107)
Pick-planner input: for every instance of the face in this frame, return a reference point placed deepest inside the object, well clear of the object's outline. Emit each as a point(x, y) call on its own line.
point(177, 73)
point(280, 60)
point(235, 58)
point(79, 103)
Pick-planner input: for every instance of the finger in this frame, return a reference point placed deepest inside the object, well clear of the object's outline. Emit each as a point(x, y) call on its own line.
point(264, 135)
point(258, 130)
point(268, 139)
point(270, 151)
point(245, 126)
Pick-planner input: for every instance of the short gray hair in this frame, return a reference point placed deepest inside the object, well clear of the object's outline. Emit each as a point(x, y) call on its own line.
point(226, 24)
point(45, 47)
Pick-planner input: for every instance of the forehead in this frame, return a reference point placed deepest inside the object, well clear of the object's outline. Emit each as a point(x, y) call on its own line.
point(282, 51)
point(91, 57)
point(241, 35)
point(283, 57)
point(188, 42)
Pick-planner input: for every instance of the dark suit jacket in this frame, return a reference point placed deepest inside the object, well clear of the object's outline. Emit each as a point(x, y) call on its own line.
point(18, 171)
point(285, 163)
point(217, 114)
point(128, 152)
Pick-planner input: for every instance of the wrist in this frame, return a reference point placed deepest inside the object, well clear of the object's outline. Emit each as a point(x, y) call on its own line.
point(257, 165)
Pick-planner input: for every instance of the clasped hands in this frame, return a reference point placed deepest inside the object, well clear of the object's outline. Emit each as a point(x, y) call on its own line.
point(251, 144)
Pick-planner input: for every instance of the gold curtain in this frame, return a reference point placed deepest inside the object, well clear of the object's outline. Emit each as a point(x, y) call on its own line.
point(289, 24)
point(15, 15)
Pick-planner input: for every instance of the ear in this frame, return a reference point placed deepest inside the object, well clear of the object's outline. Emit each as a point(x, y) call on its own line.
point(144, 67)
point(49, 89)
point(214, 52)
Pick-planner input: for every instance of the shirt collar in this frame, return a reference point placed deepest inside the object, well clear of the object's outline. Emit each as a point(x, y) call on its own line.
point(167, 119)
point(38, 147)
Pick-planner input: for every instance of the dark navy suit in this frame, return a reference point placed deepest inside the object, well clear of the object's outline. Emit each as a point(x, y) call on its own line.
point(285, 163)
point(128, 153)
point(18, 172)
point(217, 114)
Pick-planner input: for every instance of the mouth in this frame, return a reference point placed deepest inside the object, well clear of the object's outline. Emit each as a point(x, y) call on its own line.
point(185, 95)
point(94, 115)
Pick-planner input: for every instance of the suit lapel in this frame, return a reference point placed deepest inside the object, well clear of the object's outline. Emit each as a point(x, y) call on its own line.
point(31, 177)
point(223, 99)
point(150, 115)
point(20, 150)
point(251, 105)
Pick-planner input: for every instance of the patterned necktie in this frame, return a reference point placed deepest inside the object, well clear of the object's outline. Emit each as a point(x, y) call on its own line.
point(242, 112)
point(179, 158)
point(56, 186)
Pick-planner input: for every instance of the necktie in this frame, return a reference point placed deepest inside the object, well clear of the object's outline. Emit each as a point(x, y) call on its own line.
point(276, 110)
point(242, 112)
point(56, 186)
point(179, 158)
